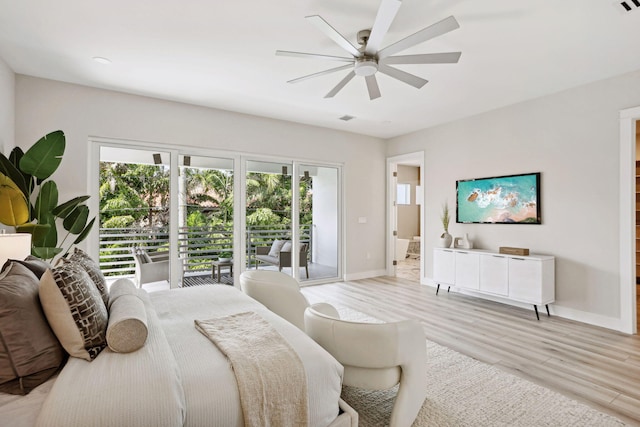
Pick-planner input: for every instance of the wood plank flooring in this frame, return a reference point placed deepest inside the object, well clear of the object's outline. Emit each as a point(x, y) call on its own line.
point(593, 365)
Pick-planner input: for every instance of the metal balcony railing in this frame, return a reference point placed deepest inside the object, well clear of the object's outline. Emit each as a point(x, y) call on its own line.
point(198, 246)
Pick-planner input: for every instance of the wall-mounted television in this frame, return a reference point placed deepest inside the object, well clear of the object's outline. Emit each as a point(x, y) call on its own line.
point(509, 199)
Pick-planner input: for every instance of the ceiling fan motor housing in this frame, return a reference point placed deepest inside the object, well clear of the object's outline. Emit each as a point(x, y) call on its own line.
point(366, 66)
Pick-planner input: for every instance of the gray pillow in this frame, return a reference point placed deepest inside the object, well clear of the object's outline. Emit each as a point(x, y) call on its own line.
point(30, 353)
point(276, 246)
point(36, 265)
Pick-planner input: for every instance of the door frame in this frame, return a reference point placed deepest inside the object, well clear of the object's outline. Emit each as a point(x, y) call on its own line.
point(628, 307)
point(412, 159)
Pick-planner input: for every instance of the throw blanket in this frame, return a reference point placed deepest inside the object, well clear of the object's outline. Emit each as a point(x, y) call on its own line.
point(270, 375)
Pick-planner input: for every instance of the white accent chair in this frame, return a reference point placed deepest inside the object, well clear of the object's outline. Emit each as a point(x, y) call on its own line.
point(281, 294)
point(377, 356)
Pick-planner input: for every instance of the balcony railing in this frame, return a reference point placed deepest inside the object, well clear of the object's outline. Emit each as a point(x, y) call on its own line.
point(198, 246)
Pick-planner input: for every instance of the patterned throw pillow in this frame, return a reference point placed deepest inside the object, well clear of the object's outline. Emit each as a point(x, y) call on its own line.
point(93, 269)
point(276, 246)
point(75, 310)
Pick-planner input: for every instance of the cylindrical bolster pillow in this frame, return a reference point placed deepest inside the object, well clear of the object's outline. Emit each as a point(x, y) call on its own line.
point(127, 330)
point(121, 287)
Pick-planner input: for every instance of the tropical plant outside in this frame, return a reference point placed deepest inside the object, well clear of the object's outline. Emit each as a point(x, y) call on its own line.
point(135, 197)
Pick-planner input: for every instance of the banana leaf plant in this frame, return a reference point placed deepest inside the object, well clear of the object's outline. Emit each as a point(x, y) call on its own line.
point(24, 180)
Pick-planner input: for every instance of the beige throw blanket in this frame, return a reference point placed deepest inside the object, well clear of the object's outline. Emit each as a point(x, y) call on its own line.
point(269, 373)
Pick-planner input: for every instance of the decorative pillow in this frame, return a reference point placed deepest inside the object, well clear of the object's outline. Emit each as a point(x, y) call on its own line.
point(29, 351)
point(287, 246)
point(93, 269)
point(121, 287)
point(36, 265)
point(276, 246)
point(127, 330)
point(75, 310)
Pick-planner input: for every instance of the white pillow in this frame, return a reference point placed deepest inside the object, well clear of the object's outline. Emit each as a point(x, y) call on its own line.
point(276, 247)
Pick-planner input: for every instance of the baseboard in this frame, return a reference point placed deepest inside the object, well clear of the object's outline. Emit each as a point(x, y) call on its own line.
point(365, 275)
point(554, 309)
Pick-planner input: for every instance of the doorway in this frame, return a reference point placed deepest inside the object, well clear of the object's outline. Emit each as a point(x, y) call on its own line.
point(637, 220)
point(628, 229)
point(405, 217)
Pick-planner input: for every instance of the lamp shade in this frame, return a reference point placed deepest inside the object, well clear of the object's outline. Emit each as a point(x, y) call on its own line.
point(14, 246)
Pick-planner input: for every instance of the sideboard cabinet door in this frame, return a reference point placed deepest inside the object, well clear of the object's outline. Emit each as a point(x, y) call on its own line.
point(467, 270)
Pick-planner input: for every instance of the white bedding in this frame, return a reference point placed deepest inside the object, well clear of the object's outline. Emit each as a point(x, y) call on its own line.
point(179, 378)
point(209, 384)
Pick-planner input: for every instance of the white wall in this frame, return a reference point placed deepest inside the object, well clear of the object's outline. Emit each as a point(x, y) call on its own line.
point(572, 138)
point(7, 107)
point(7, 113)
point(44, 105)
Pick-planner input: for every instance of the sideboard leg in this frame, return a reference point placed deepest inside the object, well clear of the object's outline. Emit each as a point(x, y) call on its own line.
point(535, 307)
point(448, 287)
point(438, 289)
point(547, 306)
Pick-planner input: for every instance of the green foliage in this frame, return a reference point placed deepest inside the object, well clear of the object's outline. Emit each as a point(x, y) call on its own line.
point(29, 173)
point(263, 216)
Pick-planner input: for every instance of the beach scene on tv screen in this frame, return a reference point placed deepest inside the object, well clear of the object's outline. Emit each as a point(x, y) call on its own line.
point(509, 199)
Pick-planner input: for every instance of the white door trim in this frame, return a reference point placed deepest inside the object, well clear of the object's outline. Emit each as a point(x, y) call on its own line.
point(628, 315)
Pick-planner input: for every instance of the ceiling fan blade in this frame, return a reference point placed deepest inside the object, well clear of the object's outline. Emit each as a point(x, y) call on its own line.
point(403, 76)
point(321, 73)
point(386, 14)
point(427, 58)
point(372, 87)
point(340, 85)
point(334, 35)
point(435, 30)
point(313, 56)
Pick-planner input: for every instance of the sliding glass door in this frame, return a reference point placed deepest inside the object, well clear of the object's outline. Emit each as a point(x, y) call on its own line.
point(202, 219)
point(134, 214)
point(268, 215)
point(205, 219)
point(319, 224)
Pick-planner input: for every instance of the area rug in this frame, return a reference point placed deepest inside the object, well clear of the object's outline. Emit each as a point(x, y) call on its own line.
point(463, 391)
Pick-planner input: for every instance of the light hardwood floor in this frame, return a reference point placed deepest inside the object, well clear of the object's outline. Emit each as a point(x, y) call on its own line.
point(590, 364)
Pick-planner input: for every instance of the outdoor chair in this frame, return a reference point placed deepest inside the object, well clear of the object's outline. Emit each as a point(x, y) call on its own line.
point(150, 266)
point(279, 254)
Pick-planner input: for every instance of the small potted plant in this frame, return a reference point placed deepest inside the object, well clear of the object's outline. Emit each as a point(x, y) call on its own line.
point(445, 238)
point(225, 256)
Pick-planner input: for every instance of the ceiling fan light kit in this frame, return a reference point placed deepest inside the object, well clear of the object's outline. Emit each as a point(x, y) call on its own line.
point(369, 59)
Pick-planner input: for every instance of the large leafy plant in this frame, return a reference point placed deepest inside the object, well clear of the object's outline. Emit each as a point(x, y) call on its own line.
point(29, 199)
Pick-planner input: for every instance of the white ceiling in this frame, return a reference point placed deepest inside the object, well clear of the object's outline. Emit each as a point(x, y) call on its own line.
point(221, 54)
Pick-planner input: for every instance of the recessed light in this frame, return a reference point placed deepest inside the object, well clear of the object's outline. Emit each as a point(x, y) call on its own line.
point(102, 60)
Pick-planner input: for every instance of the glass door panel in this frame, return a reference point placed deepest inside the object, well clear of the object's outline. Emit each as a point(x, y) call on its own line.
point(268, 215)
point(134, 217)
point(205, 219)
point(319, 232)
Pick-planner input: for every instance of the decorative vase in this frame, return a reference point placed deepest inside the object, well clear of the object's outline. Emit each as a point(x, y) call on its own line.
point(466, 243)
point(445, 240)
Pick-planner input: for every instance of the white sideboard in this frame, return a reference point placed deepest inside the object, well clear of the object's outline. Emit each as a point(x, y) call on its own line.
point(527, 279)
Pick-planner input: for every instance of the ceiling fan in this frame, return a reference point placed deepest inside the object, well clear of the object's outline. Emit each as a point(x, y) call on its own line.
point(369, 58)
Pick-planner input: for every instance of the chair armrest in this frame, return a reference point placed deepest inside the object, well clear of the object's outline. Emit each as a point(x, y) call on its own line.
point(159, 256)
point(263, 250)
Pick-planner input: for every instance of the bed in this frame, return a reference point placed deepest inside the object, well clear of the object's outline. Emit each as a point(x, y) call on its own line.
point(178, 378)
